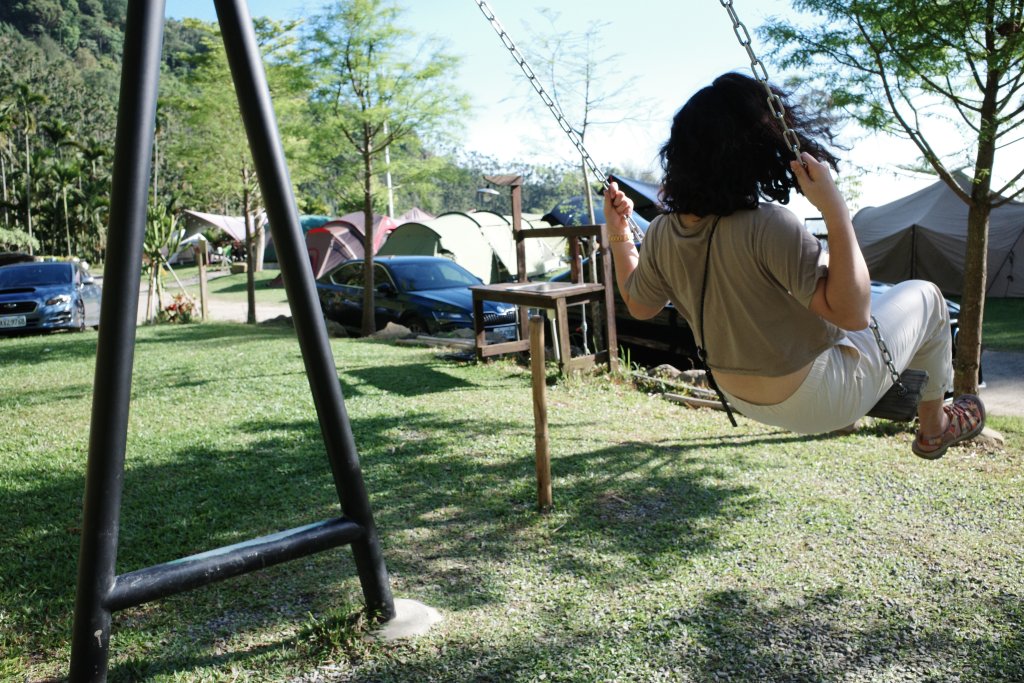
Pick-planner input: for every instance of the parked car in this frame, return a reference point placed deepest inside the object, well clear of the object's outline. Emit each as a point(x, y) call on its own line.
point(42, 296)
point(8, 257)
point(427, 294)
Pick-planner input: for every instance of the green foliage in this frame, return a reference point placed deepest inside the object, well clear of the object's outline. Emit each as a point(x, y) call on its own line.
point(915, 68)
point(17, 240)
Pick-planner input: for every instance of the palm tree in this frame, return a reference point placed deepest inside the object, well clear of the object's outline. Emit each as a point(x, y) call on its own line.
point(63, 176)
point(7, 126)
point(27, 100)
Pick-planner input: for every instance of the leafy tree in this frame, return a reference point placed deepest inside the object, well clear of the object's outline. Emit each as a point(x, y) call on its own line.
point(583, 83)
point(161, 239)
point(208, 147)
point(914, 68)
point(370, 95)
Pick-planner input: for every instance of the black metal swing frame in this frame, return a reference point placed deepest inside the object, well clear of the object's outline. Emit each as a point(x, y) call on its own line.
point(101, 591)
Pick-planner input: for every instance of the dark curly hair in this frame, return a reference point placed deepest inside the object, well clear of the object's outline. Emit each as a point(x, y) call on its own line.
point(726, 151)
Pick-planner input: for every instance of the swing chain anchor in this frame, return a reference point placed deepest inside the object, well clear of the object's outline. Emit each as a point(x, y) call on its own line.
point(552, 106)
point(761, 75)
point(887, 357)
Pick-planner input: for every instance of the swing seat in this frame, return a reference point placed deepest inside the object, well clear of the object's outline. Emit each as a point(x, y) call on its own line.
point(900, 402)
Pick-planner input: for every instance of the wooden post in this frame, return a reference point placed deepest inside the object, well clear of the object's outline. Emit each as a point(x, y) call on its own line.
point(201, 256)
point(540, 413)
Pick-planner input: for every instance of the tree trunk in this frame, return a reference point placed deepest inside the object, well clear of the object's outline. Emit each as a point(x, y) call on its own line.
point(67, 226)
point(250, 276)
point(3, 177)
point(972, 303)
point(591, 249)
point(369, 324)
point(260, 245)
point(28, 192)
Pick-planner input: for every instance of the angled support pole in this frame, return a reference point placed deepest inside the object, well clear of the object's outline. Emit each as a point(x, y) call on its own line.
point(100, 590)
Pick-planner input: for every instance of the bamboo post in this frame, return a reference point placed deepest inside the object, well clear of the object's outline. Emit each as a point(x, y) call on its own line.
point(202, 254)
point(540, 413)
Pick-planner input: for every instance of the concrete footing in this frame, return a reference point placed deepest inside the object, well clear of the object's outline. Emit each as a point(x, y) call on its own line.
point(412, 619)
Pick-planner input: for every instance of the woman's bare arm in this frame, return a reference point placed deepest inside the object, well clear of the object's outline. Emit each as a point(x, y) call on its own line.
point(617, 209)
point(843, 297)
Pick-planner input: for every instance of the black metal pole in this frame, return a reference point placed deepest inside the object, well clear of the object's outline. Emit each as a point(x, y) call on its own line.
point(136, 121)
point(272, 170)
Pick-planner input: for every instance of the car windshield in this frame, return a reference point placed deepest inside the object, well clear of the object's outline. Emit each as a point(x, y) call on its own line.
point(35, 275)
point(431, 275)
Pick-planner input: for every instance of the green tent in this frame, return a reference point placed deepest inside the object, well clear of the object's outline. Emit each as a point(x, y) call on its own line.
point(481, 242)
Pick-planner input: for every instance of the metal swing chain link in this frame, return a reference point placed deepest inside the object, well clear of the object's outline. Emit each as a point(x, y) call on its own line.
point(761, 75)
point(552, 106)
point(887, 357)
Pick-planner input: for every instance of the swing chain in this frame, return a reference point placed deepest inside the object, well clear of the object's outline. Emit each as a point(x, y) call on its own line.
point(761, 74)
point(552, 106)
point(887, 357)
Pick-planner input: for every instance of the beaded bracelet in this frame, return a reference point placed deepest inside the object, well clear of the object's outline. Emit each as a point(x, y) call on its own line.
point(623, 237)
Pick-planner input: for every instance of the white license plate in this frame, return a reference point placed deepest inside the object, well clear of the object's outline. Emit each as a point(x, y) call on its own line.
point(12, 321)
point(509, 332)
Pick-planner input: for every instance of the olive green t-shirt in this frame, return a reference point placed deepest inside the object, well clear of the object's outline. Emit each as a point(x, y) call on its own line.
point(764, 268)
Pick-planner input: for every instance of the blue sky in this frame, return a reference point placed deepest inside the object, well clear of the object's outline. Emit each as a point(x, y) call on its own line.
point(666, 50)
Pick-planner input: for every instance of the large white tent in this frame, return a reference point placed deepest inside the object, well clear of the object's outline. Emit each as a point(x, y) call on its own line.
point(924, 236)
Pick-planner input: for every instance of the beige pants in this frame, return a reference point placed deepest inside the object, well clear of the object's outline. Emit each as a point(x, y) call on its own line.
point(846, 381)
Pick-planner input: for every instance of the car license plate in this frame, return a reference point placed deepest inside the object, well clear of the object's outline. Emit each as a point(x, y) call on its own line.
point(12, 321)
point(509, 332)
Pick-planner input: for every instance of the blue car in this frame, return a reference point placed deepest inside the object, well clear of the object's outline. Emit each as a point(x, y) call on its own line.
point(427, 294)
point(44, 296)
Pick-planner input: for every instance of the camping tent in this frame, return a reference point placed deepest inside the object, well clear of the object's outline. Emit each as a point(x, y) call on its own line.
point(233, 226)
point(645, 198)
point(185, 254)
point(382, 226)
point(332, 243)
point(480, 242)
point(924, 236)
point(414, 214)
point(573, 211)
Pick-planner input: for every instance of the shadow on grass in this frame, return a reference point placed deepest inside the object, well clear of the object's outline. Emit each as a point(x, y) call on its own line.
point(202, 498)
point(831, 635)
point(406, 380)
point(204, 332)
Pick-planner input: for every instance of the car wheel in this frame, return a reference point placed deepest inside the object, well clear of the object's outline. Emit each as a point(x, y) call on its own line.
point(81, 317)
point(416, 324)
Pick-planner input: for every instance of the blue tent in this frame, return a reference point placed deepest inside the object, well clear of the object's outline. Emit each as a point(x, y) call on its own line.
point(645, 198)
point(573, 211)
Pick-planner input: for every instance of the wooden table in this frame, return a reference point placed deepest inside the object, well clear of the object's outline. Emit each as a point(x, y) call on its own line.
point(548, 295)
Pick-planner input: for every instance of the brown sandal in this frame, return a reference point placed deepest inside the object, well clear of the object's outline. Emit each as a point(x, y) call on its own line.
point(966, 417)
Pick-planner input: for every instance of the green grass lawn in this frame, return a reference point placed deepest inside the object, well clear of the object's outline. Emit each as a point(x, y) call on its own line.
point(1003, 329)
point(679, 549)
point(225, 286)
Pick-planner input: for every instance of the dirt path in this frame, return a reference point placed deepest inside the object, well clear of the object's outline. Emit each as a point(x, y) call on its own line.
point(1003, 392)
point(227, 310)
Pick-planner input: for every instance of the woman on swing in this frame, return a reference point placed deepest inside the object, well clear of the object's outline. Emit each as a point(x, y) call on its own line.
point(786, 332)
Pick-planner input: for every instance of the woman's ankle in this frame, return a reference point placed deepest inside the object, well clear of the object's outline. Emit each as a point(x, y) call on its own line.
point(932, 419)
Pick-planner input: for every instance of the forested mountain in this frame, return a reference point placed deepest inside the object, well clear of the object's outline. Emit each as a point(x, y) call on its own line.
point(59, 79)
